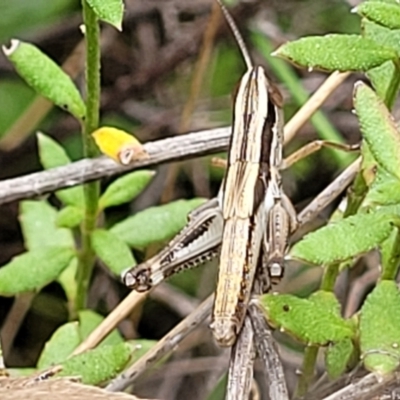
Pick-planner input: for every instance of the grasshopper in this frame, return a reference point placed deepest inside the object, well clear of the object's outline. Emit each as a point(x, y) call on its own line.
point(250, 220)
point(237, 217)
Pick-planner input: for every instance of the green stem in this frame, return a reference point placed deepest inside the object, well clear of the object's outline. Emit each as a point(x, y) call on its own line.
point(307, 371)
point(356, 194)
point(91, 190)
point(391, 258)
point(329, 278)
point(393, 87)
point(311, 352)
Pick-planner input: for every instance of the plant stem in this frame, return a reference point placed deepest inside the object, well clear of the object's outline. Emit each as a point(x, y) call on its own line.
point(356, 194)
point(393, 87)
point(329, 278)
point(91, 190)
point(390, 260)
point(307, 371)
point(311, 352)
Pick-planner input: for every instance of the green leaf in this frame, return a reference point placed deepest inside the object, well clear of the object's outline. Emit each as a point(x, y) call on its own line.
point(125, 188)
point(34, 269)
point(89, 321)
point(52, 155)
point(390, 255)
point(344, 239)
point(382, 77)
point(45, 76)
point(380, 328)
point(69, 217)
point(336, 52)
point(384, 190)
point(60, 346)
point(378, 128)
point(386, 14)
point(68, 282)
point(39, 227)
point(155, 224)
point(314, 321)
point(100, 364)
point(110, 11)
point(113, 251)
point(337, 357)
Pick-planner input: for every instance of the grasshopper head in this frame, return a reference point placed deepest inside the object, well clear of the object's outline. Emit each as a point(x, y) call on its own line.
point(136, 279)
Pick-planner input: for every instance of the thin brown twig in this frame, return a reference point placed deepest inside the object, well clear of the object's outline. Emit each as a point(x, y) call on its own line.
point(266, 350)
point(240, 375)
point(329, 193)
point(177, 300)
point(14, 320)
point(163, 346)
point(367, 387)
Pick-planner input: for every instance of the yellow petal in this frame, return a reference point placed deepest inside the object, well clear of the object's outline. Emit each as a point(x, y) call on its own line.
point(119, 145)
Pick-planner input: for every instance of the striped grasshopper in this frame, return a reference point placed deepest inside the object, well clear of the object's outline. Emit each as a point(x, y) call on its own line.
point(233, 224)
point(249, 222)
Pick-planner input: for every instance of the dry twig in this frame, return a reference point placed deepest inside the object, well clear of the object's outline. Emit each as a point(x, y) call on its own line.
point(240, 375)
point(164, 346)
point(86, 170)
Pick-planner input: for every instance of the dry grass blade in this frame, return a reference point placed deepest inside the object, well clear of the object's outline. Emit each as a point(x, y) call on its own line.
point(164, 346)
point(313, 103)
point(54, 389)
point(110, 322)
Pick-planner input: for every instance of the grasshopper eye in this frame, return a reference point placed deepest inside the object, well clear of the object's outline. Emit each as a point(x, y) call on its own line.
point(128, 279)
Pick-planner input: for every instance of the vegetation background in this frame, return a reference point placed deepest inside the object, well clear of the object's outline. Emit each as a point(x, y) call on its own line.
point(152, 85)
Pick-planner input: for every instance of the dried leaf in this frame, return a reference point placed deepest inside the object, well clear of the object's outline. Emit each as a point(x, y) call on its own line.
point(119, 145)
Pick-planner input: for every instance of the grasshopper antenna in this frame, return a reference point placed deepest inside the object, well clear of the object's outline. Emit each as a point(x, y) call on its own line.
point(237, 35)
